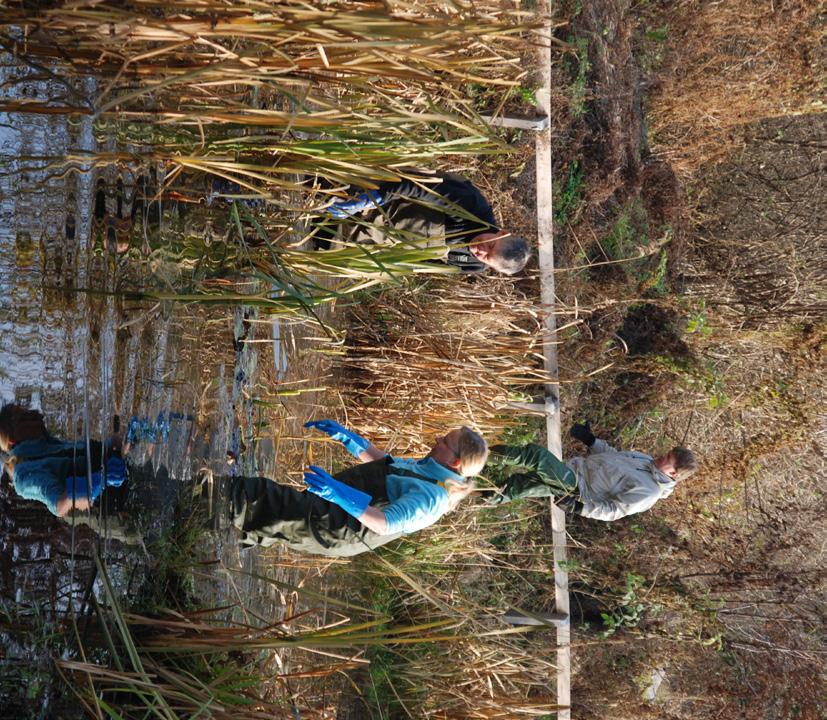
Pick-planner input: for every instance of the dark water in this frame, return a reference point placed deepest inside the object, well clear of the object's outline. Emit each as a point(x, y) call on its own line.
point(76, 346)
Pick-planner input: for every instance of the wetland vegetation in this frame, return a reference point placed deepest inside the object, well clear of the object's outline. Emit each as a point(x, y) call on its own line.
point(161, 173)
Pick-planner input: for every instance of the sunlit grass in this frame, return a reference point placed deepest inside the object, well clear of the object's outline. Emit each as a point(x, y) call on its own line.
point(183, 664)
point(223, 89)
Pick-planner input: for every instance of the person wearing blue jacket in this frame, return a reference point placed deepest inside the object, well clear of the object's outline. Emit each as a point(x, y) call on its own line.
point(365, 506)
point(62, 475)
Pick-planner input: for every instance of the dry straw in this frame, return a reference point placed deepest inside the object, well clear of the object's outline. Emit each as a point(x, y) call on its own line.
point(223, 88)
point(419, 361)
point(736, 62)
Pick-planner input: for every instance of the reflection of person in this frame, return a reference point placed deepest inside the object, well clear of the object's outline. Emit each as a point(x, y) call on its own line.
point(606, 484)
point(441, 210)
point(362, 507)
point(62, 475)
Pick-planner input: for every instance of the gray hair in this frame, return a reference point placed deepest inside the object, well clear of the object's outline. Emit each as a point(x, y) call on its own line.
point(514, 254)
point(685, 462)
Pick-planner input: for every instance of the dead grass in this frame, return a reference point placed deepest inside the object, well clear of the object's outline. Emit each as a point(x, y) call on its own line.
point(418, 361)
point(734, 63)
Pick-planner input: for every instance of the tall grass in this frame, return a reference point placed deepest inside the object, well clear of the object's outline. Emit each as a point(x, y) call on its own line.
point(193, 664)
point(274, 96)
point(293, 101)
point(420, 360)
point(222, 89)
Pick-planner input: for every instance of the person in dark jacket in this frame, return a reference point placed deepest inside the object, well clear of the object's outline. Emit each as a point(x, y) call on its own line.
point(432, 211)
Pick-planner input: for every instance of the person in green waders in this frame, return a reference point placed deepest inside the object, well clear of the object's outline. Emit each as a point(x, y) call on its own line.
point(363, 507)
point(606, 484)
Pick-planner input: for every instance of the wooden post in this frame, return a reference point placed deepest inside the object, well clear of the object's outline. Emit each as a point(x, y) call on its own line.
point(551, 406)
point(539, 123)
point(520, 617)
point(545, 239)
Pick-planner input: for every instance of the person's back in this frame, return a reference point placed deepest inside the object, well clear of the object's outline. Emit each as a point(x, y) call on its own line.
point(606, 484)
point(614, 483)
point(450, 212)
point(440, 210)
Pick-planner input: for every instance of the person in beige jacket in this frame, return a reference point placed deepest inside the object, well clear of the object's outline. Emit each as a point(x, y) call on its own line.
point(606, 484)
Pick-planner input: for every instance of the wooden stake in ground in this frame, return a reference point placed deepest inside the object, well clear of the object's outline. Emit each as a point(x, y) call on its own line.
point(545, 240)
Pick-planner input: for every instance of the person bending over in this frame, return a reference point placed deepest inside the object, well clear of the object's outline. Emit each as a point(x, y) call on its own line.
point(444, 210)
point(363, 507)
point(606, 484)
point(62, 475)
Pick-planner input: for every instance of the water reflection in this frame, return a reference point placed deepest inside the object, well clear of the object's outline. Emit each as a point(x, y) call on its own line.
point(76, 345)
point(72, 344)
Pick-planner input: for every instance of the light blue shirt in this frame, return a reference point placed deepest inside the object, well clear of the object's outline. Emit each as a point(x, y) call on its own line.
point(416, 504)
point(44, 471)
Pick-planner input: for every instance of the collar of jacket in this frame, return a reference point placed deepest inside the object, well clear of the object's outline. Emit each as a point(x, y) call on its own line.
point(666, 483)
point(439, 472)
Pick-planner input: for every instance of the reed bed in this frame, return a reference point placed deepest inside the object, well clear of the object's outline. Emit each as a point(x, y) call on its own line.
point(266, 269)
point(295, 102)
point(276, 96)
point(195, 664)
point(457, 570)
point(418, 361)
point(226, 89)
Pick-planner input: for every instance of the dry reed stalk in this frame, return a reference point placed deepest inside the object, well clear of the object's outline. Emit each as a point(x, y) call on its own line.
point(418, 362)
point(220, 88)
point(254, 43)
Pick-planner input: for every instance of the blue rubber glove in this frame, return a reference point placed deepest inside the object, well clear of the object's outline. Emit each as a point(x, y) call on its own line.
point(141, 430)
point(354, 444)
point(144, 430)
point(115, 471)
point(354, 502)
point(363, 201)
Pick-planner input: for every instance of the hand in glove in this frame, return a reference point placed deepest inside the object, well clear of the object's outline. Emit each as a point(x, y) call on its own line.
point(354, 444)
point(363, 201)
point(115, 471)
point(354, 502)
point(583, 433)
point(570, 504)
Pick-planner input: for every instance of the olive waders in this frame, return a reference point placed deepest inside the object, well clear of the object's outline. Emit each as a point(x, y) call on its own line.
point(267, 513)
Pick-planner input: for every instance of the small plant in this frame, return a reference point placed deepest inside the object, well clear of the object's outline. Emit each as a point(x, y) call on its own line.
point(626, 237)
point(630, 611)
point(568, 198)
point(657, 34)
point(653, 283)
point(698, 321)
point(527, 94)
point(528, 430)
point(580, 69)
point(570, 565)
